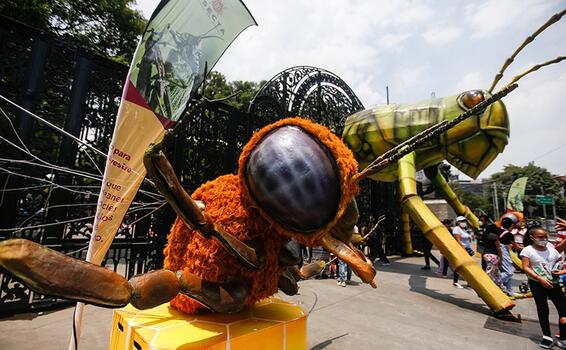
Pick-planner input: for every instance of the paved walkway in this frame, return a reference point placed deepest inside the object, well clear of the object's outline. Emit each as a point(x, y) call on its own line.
point(410, 309)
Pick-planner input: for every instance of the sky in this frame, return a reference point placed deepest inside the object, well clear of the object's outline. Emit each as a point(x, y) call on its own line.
point(416, 48)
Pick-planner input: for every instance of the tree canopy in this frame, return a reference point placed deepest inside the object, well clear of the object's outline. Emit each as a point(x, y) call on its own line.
point(109, 27)
point(541, 181)
point(243, 91)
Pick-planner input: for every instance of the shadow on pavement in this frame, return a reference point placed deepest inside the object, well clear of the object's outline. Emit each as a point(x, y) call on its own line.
point(418, 285)
point(406, 269)
point(528, 328)
point(327, 342)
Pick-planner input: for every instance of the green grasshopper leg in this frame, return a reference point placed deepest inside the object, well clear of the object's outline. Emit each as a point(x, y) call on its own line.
point(435, 232)
point(406, 228)
point(448, 194)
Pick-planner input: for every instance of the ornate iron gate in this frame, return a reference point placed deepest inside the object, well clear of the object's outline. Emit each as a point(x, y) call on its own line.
point(325, 98)
point(309, 92)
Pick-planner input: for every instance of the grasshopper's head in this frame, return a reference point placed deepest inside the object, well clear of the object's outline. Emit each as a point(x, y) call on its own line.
point(474, 143)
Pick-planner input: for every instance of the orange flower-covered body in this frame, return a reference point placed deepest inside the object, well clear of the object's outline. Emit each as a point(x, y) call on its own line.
point(204, 257)
point(228, 203)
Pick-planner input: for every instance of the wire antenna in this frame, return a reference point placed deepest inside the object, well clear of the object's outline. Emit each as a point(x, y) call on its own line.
point(535, 68)
point(555, 18)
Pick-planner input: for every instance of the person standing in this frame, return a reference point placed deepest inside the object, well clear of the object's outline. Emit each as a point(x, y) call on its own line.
point(463, 238)
point(376, 248)
point(344, 273)
point(507, 241)
point(539, 260)
point(481, 236)
point(492, 254)
point(344, 270)
point(443, 267)
point(427, 250)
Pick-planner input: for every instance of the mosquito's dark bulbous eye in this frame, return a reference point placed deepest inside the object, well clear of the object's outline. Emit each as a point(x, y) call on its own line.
point(294, 179)
point(470, 99)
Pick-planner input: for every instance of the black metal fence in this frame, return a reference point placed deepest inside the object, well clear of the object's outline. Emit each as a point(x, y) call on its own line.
point(51, 198)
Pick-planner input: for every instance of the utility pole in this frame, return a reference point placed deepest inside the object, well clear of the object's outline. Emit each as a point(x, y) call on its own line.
point(544, 209)
point(553, 208)
point(544, 205)
point(495, 202)
point(387, 93)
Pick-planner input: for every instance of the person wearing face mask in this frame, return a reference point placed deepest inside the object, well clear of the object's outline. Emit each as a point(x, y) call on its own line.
point(541, 263)
point(507, 241)
point(463, 237)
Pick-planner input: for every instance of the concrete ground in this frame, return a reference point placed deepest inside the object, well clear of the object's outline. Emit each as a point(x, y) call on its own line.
point(410, 309)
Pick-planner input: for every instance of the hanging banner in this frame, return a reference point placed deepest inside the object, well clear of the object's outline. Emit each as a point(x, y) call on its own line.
point(516, 194)
point(181, 40)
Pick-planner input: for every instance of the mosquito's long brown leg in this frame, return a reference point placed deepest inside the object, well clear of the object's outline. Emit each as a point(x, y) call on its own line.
point(49, 272)
point(46, 271)
point(228, 297)
point(166, 181)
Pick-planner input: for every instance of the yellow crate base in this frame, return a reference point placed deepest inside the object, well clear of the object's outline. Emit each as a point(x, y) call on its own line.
point(270, 324)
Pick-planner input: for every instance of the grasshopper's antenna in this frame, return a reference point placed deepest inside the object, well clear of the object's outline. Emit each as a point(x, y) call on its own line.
point(536, 67)
point(555, 18)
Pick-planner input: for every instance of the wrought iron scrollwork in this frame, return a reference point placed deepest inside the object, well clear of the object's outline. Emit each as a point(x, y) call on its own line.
point(325, 98)
point(309, 92)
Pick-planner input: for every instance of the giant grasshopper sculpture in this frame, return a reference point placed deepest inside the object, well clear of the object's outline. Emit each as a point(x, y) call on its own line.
point(470, 146)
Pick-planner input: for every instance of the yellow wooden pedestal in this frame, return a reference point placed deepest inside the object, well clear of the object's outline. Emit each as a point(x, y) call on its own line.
point(270, 324)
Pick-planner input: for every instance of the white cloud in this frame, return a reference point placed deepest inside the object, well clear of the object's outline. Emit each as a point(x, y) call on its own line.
point(441, 35)
point(490, 17)
point(392, 41)
point(405, 13)
point(368, 94)
point(471, 81)
point(409, 77)
point(536, 115)
point(145, 6)
point(417, 47)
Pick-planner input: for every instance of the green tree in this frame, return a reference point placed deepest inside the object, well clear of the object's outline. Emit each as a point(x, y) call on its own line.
point(540, 180)
point(241, 92)
point(474, 201)
point(109, 27)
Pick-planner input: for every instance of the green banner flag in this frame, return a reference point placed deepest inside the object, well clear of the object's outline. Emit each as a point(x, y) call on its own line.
point(517, 194)
point(183, 38)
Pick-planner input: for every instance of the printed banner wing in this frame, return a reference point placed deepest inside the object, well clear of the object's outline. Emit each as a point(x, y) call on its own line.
point(517, 194)
point(181, 39)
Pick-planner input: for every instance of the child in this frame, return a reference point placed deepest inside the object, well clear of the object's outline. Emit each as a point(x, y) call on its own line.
point(539, 263)
point(492, 254)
